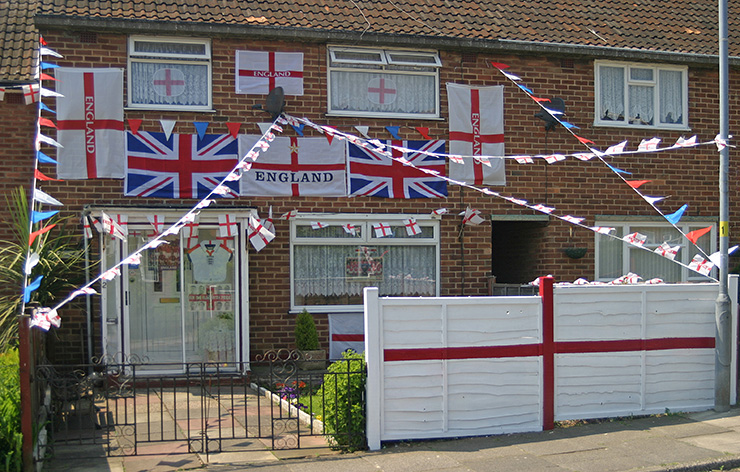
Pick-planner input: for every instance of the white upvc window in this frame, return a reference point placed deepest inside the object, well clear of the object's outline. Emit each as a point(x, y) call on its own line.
point(383, 82)
point(615, 257)
point(641, 95)
point(330, 267)
point(167, 73)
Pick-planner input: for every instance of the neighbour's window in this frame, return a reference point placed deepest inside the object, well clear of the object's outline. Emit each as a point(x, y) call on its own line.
point(641, 95)
point(615, 257)
point(169, 73)
point(330, 267)
point(383, 82)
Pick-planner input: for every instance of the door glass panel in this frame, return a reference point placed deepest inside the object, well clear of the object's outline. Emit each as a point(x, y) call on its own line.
point(155, 308)
point(210, 299)
point(112, 300)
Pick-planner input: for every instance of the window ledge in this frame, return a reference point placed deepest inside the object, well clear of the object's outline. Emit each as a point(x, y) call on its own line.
point(634, 127)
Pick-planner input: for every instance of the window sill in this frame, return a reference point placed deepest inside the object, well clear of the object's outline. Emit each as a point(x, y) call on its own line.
point(640, 127)
point(174, 110)
point(329, 309)
point(377, 115)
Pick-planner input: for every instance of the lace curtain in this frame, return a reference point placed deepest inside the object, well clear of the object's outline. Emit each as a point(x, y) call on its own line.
point(158, 83)
point(641, 97)
point(327, 271)
point(379, 92)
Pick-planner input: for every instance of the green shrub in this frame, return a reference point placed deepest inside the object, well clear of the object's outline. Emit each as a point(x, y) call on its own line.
point(306, 336)
point(342, 402)
point(10, 412)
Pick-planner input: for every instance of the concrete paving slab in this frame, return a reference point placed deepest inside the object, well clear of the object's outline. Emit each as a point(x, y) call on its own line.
point(725, 443)
point(412, 461)
point(524, 462)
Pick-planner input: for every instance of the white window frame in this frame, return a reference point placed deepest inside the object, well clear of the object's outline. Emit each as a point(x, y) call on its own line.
point(196, 59)
point(388, 65)
point(367, 236)
point(685, 254)
point(655, 83)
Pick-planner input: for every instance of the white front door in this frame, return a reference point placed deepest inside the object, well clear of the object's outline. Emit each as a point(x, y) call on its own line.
point(184, 303)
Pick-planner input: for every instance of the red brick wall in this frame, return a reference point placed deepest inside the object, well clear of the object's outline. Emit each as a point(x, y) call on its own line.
point(574, 187)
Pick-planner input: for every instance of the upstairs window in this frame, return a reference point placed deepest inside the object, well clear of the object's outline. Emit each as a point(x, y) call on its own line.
point(383, 82)
point(641, 95)
point(169, 73)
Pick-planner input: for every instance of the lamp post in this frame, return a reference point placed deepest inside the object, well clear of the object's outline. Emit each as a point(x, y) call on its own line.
point(723, 335)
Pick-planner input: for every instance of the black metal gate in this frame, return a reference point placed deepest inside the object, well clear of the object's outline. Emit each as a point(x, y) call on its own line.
point(210, 406)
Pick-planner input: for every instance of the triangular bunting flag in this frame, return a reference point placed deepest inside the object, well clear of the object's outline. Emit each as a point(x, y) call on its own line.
point(363, 130)
point(37, 216)
point(652, 200)
point(233, 129)
point(134, 125)
point(298, 128)
point(694, 236)
point(264, 127)
point(636, 183)
point(41, 176)
point(393, 130)
point(200, 128)
point(45, 76)
point(423, 131)
point(32, 237)
point(43, 197)
point(30, 288)
point(44, 158)
point(674, 218)
point(46, 122)
point(31, 261)
point(167, 127)
point(44, 107)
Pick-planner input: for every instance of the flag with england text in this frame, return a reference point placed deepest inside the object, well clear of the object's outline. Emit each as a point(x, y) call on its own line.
point(477, 129)
point(259, 72)
point(294, 166)
point(90, 123)
point(181, 166)
point(374, 174)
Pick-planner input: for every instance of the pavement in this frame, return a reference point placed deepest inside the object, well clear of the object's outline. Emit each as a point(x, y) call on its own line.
point(686, 442)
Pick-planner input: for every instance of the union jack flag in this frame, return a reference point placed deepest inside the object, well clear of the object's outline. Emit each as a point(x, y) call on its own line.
point(376, 175)
point(181, 166)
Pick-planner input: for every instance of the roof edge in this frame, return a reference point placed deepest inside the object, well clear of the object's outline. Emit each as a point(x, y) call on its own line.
point(368, 38)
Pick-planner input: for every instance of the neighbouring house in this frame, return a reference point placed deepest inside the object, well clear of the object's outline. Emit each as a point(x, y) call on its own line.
point(189, 83)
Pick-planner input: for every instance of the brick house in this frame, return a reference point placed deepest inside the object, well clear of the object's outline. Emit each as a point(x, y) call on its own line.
point(622, 74)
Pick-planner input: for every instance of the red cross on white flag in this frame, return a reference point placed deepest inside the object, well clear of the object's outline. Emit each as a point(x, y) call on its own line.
point(382, 91)
point(439, 211)
point(471, 217)
point(412, 227)
point(190, 233)
point(157, 222)
point(382, 230)
point(113, 228)
point(635, 238)
point(477, 129)
point(259, 72)
point(111, 274)
point(649, 144)
point(268, 223)
point(133, 259)
point(701, 265)
point(318, 225)
point(602, 229)
point(31, 93)
point(90, 123)
point(258, 235)
point(227, 226)
point(349, 229)
point(290, 214)
point(168, 82)
point(86, 227)
point(666, 250)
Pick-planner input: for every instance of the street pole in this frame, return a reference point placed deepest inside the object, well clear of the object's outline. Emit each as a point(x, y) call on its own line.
point(723, 335)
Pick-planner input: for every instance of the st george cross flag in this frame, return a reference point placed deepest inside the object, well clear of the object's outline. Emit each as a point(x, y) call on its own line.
point(261, 71)
point(373, 174)
point(90, 123)
point(477, 129)
point(294, 166)
point(181, 166)
point(258, 235)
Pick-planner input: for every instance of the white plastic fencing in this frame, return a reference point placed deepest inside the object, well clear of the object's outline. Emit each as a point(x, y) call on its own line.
point(451, 367)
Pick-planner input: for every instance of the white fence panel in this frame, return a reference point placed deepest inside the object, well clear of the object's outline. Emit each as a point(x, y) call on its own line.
point(447, 367)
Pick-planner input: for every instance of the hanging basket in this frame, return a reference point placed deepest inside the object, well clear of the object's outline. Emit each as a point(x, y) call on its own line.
point(575, 252)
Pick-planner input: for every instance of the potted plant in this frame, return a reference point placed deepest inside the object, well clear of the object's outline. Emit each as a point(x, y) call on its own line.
point(307, 342)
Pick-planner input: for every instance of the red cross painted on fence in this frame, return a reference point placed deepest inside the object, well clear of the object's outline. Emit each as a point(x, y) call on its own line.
point(548, 348)
point(89, 124)
point(475, 137)
point(168, 81)
point(381, 90)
